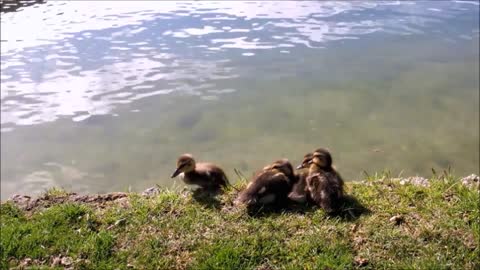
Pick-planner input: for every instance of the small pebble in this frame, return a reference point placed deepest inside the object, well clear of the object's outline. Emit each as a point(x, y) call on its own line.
point(151, 192)
point(66, 261)
point(360, 261)
point(398, 219)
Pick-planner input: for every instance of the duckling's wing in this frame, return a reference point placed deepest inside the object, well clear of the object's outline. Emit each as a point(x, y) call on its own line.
point(251, 191)
point(317, 187)
point(335, 185)
point(339, 179)
point(212, 174)
point(264, 183)
point(220, 176)
point(326, 189)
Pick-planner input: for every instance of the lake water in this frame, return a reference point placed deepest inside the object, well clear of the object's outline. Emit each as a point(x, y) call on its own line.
point(103, 96)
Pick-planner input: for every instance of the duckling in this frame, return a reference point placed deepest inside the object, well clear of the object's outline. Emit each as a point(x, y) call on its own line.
point(323, 184)
point(206, 175)
point(271, 185)
point(298, 193)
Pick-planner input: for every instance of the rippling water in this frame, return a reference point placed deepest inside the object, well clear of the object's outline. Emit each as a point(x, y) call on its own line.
point(102, 96)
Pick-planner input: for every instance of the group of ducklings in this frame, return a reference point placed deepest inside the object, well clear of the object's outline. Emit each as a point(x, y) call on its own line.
point(315, 181)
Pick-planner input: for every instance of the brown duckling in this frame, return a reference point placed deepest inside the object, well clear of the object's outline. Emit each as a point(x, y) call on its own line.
point(269, 186)
point(323, 184)
point(206, 175)
point(299, 193)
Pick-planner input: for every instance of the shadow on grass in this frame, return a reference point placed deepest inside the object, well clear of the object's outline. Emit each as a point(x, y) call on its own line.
point(287, 207)
point(351, 209)
point(207, 198)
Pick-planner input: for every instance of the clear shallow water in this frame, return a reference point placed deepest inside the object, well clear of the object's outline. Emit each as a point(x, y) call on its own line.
point(98, 97)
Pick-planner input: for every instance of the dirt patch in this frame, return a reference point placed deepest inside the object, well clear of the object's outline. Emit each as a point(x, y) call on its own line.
point(28, 203)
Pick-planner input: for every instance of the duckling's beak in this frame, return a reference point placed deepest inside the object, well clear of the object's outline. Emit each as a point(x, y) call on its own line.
point(175, 173)
point(301, 166)
point(178, 170)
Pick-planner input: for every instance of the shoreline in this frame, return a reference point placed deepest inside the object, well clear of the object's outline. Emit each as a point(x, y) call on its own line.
point(386, 223)
point(24, 199)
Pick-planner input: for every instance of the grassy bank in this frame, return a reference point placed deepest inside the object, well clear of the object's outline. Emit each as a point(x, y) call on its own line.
point(385, 225)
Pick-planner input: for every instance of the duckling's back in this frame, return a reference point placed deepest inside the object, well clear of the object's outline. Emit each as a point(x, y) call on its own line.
point(265, 184)
point(211, 175)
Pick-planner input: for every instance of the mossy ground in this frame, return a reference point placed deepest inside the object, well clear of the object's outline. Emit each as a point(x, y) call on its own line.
point(437, 227)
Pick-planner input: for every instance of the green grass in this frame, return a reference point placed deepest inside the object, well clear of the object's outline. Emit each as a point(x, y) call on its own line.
point(177, 230)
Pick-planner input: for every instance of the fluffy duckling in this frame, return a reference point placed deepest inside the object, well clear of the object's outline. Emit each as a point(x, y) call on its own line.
point(206, 175)
point(299, 193)
point(323, 184)
point(270, 185)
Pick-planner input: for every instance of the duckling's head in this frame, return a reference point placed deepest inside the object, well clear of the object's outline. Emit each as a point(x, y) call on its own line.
point(322, 158)
point(284, 166)
point(185, 164)
point(307, 160)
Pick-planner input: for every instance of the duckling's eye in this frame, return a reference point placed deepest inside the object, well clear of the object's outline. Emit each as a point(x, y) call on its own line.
point(182, 165)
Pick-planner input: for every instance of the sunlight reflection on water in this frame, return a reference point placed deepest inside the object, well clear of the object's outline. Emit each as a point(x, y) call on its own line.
point(94, 73)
